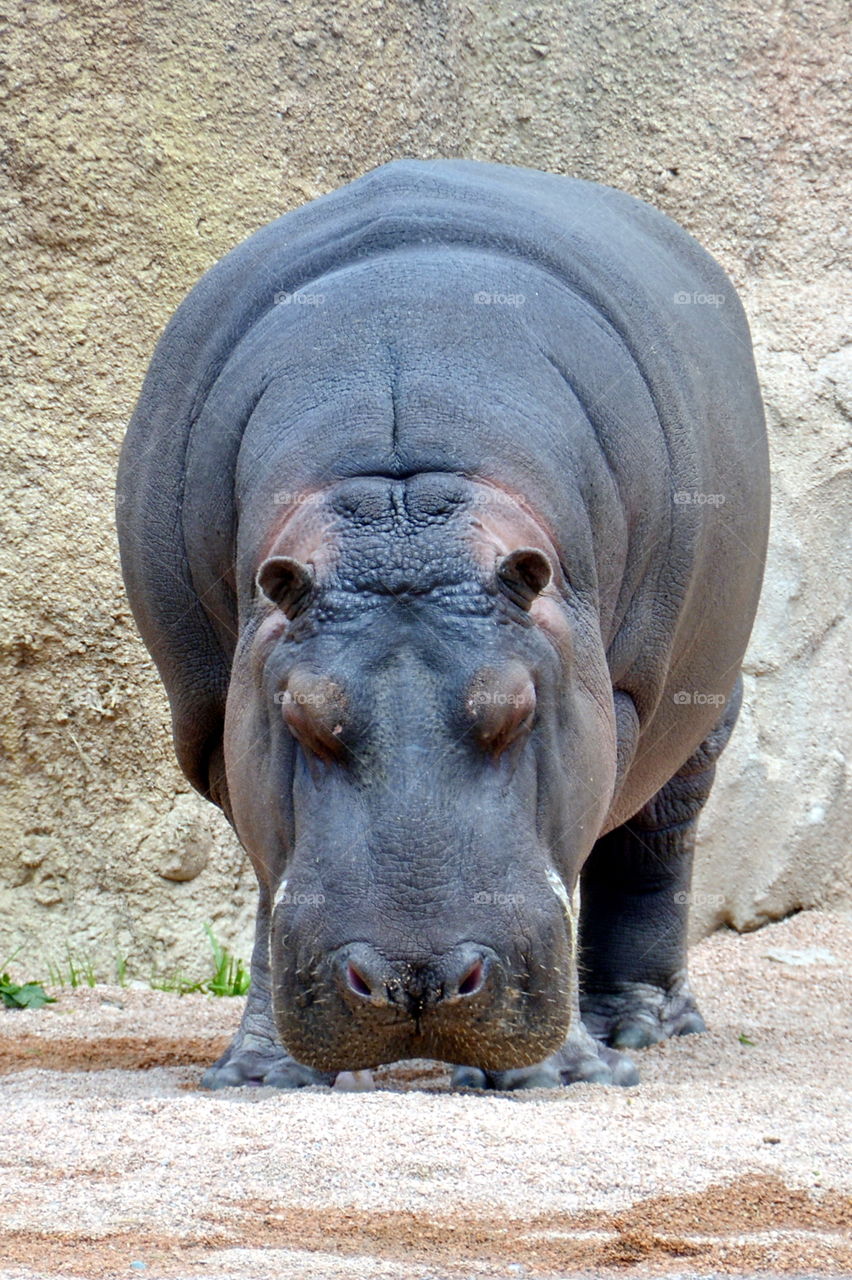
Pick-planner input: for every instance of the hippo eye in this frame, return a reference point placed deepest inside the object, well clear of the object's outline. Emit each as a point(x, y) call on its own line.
point(502, 706)
point(313, 708)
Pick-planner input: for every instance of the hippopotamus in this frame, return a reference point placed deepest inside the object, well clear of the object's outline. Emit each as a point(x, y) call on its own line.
point(443, 513)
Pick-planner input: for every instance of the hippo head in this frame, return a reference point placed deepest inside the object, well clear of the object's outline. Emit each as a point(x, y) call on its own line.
point(420, 753)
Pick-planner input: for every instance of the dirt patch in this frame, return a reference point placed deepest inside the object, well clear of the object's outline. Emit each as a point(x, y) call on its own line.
point(661, 1228)
point(777, 1228)
point(122, 1053)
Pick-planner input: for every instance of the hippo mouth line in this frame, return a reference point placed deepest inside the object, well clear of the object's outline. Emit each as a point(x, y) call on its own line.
point(489, 1047)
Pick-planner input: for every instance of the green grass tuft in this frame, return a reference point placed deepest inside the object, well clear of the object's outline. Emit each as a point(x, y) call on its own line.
point(72, 972)
point(230, 977)
point(176, 984)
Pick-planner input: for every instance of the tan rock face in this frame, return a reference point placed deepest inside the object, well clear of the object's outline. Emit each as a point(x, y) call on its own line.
point(181, 842)
point(143, 143)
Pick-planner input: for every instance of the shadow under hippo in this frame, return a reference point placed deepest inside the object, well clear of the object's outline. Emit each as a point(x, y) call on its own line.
point(443, 514)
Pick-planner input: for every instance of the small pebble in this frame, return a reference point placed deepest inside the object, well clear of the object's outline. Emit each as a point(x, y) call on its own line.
point(801, 955)
point(355, 1082)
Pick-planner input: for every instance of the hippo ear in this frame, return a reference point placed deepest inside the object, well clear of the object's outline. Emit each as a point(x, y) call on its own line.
point(287, 583)
point(523, 574)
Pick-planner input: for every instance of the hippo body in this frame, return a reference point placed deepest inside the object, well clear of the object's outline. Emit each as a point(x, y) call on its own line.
point(443, 513)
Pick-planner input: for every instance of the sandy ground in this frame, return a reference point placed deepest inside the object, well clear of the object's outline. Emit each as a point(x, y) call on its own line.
point(730, 1158)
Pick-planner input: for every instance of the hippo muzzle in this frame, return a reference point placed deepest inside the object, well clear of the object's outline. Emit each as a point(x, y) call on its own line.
point(480, 1001)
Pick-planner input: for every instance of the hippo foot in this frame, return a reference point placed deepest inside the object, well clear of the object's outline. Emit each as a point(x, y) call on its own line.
point(639, 1014)
point(257, 1060)
point(581, 1059)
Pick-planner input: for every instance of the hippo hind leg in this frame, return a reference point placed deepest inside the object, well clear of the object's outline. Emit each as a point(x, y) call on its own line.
point(635, 891)
point(255, 1056)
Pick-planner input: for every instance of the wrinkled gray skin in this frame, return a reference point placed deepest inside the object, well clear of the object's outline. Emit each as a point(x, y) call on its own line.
point(443, 513)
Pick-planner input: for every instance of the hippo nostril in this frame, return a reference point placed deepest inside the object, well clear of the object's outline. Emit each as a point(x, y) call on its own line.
point(363, 972)
point(357, 982)
point(472, 978)
point(472, 981)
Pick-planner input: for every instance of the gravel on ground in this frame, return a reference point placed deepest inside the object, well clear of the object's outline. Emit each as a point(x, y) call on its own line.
point(732, 1157)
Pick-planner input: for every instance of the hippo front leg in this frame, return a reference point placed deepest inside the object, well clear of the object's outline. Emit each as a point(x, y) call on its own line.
point(635, 909)
point(255, 1056)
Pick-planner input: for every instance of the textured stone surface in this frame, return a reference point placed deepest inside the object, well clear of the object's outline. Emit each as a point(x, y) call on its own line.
point(143, 141)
